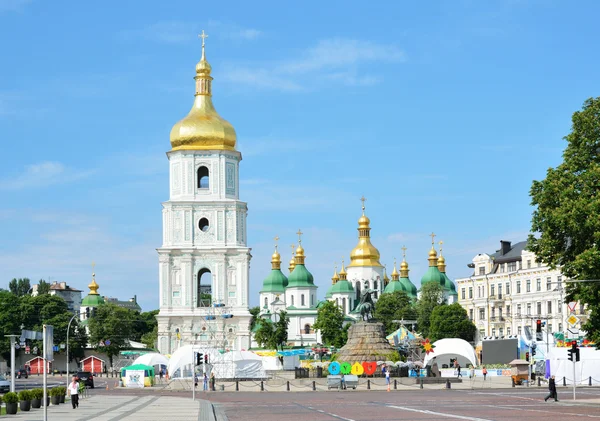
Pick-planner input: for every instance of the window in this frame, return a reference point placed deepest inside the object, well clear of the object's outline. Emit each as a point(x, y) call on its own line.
point(306, 329)
point(266, 302)
point(357, 289)
point(538, 283)
point(493, 331)
point(518, 330)
point(375, 294)
point(493, 312)
point(344, 305)
point(492, 290)
point(479, 292)
point(518, 310)
point(559, 281)
point(528, 285)
point(508, 331)
point(375, 285)
point(481, 314)
point(512, 266)
point(508, 288)
point(482, 270)
point(539, 308)
point(367, 285)
point(548, 284)
point(499, 290)
point(549, 307)
point(204, 288)
point(560, 327)
point(539, 264)
point(471, 311)
point(508, 312)
point(301, 299)
point(292, 297)
point(501, 267)
point(500, 313)
point(337, 301)
point(203, 178)
point(501, 332)
point(559, 306)
point(529, 309)
point(528, 264)
point(518, 287)
point(203, 224)
point(462, 293)
point(550, 329)
point(312, 300)
point(471, 292)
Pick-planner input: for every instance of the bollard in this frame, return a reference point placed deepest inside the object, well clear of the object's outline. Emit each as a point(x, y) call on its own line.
point(288, 385)
point(564, 381)
point(539, 380)
point(513, 382)
point(590, 381)
point(395, 384)
point(237, 385)
point(368, 384)
point(448, 384)
point(262, 386)
point(421, 378)
point(314, 385)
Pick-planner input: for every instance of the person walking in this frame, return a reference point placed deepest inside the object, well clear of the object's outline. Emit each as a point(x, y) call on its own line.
point(386, 372)
point(73, 391)
point(205, 383)
point(552, 389)
point(472, 372)
point(484, 371)
point(458, 373)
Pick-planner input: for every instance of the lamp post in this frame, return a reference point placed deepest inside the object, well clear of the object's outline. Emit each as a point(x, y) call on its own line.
point(69, 328)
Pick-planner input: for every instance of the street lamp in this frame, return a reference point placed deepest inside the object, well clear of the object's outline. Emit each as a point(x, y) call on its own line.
point(69, 328)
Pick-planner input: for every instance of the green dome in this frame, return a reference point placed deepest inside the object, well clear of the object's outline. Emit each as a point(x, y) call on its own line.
point(275, 282)
point(433, 274)
point(341, 287)
point(92, 300)
point(403, 284)
point(329, 293)
point(449, 285)
point(300, 277)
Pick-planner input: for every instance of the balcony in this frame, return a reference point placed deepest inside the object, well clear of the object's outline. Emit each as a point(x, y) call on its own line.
point(497, 320)
point(497, 298)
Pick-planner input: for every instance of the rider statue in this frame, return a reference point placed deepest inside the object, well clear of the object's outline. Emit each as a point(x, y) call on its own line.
point(366, 306)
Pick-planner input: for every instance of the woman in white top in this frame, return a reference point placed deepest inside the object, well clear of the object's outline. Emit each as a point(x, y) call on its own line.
point(73, 390)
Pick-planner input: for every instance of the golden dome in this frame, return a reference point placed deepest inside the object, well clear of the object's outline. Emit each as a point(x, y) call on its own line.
point(395, 274)
point(365, 253)
point(203, 128)
point(93, 286)
point(276, 260)
point(292, 264)
point(441, 262)
point(335, 276)
point(432, 257)
point(343, 272)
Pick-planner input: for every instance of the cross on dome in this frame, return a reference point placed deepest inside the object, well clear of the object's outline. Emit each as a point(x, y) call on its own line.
point(404, 252)
point(432, 235)
point(363, 200)
point(441, 243)
point(299, 237)
point(293, 246)
point(276, 240)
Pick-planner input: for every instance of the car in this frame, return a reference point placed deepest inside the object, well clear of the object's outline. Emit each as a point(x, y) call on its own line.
point(4, 385)
point(21, 373)
point(86, 377)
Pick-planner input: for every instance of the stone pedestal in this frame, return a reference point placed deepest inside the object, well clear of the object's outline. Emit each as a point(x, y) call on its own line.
point(366, 342)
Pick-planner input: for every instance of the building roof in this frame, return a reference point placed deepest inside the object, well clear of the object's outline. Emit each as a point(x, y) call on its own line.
point(62, 286)
point(300, 277)
point(511, 252)
point(275, 282)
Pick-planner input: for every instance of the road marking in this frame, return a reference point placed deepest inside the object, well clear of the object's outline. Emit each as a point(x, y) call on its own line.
point(339, 417)
point(543, 410)
point(441, 414)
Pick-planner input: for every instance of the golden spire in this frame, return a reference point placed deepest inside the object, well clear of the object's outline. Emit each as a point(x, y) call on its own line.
point(93, 286)
point(386, 278)
point(343, 272)
point(404, 264)
point(441, 263)
point(292, 260)
point(276, 257)
point(432, 253)
point(203, 128)
point(335, 276)
point(300, 250)
point(365, 253)
point(395, 274)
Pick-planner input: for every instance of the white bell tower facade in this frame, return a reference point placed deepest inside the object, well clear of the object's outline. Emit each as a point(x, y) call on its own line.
point(204, 260)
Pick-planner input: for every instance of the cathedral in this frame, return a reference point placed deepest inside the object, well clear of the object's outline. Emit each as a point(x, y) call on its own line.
point(204, 259)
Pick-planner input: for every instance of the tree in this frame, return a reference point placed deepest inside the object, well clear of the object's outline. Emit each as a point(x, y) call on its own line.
point(394, 306)
point(432, 296)
point(330, 321)
point(43, 287)
point(566, 221)
point(451, 321)
point(9, 324)
point(272, 335)
point(254, 311)
point(113, 323)
point(19, 287)
point(281, 329)
point(144, 324)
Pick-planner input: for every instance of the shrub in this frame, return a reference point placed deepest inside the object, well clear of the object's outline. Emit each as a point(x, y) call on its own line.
point(11, 397)
point(55, 391)
point(25, 395)
point(37, 393)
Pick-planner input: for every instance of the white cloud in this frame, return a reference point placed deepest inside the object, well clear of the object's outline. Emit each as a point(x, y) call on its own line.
point(42, 175)
point(336, 59)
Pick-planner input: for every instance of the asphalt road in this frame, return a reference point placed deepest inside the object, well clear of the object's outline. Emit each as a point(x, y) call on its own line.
point(488, 405)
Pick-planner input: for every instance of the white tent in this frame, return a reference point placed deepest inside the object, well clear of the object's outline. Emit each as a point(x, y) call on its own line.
point(450, 347)
point(151, 359)
point(588, 365)
point(233, 364)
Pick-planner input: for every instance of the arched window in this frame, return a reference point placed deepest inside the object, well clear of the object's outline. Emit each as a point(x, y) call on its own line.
point(344, 305)
point(375, 285)
point(337, 301)
point(312, 300)
point(292, 297)
point(204, 288)
point(203, 224)
point(367, 285)
point(266, 302)
point(203, 178)
point(307, 328)
point(357, 290)
point(301, 299)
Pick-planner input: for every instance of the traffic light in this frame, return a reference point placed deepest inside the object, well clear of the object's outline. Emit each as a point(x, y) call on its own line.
point(199, 359)
point(533, 348)
point(527, 356)
point(205, 358)
point(538, 326)
point(574, 352)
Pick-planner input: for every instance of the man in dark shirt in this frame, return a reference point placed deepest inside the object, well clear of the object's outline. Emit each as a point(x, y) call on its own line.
point(552, 389)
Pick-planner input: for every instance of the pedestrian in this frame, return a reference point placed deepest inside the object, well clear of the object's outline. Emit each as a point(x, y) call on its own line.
point(552, 389)
point(212, 381)
point(205, 383)
point(459, 374)
point(386, 371)
point(160, 375)
point(73, 391)
point(484, 371)
point(472, 372)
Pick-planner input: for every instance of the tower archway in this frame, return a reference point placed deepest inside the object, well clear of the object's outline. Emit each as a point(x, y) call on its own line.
point(204, 288)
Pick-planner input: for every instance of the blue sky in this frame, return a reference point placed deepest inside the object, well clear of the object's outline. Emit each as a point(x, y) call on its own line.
point(441, 114)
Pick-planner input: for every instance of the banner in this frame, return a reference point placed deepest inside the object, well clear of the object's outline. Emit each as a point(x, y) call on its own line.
point(49, 342)
point(134, 378)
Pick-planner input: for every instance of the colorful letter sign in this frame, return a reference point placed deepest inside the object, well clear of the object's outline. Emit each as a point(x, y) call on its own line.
point(366, 367)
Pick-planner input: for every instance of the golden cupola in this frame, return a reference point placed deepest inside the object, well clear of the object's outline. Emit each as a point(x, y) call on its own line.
point(292, 263)
point(343, 274)
point(395, 274)
point(203, 128)
point(365, 253)
point(276, 260)
point(93, 286)
point(335, 276)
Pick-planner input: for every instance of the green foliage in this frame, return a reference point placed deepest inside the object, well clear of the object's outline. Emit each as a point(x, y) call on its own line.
point(145, 324)
point(43, 287)
point(265, 333)
point(451, 321)
point(25, 395)
point(395, 306)
point(113, 323)
point(432, 296)
point(272, 335)
point(10, 397)
point(566, 219)
point(330, 321)
point(9, 324)
point(150, 339)
point(56, 391)
point(20, 286)
point(37, 393)
point(254, 311)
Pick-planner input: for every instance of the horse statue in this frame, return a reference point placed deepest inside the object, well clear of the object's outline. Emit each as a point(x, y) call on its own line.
point(366, 306)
